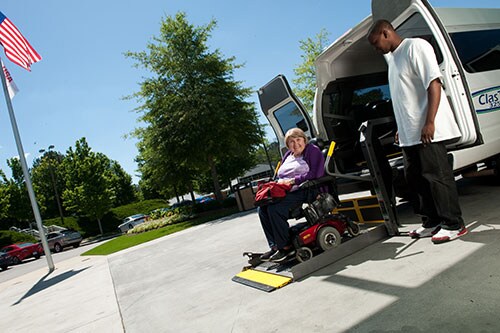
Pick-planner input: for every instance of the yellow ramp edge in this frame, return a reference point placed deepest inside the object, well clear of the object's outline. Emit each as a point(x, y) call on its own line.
point(262, 280)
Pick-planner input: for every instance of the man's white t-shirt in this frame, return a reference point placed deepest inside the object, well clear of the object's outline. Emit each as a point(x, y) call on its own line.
point(412, 67)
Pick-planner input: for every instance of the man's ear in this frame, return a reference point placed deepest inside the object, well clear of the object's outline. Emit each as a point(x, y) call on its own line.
point(385, 32)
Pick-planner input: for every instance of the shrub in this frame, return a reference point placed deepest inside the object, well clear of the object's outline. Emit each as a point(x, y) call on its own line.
point(70, 222)
point(8, 237)
point(140, 207)
point(164, 221)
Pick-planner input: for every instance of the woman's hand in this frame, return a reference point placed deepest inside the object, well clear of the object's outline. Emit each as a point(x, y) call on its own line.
point(289, 181)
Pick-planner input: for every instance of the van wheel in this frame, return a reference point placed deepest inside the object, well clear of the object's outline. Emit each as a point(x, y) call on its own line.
point(328, 238)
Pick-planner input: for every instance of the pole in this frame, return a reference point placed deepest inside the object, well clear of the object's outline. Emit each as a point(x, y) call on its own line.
point(51, 171)
point(27, 178)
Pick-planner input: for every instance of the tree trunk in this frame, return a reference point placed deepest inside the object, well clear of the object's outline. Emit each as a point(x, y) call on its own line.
point(215, 179)
point(176, 194)
point(191, 191)
point(100, 226)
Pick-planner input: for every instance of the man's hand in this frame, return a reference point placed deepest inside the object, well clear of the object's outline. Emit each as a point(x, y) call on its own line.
point(427, 133)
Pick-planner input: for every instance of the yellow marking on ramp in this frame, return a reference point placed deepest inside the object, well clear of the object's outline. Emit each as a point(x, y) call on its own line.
point(269, 279)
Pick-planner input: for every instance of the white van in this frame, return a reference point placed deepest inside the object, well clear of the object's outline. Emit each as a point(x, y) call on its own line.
point(352, 84)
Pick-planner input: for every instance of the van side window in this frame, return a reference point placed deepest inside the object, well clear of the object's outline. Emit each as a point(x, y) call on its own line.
point(479, 51)
point(289, 116)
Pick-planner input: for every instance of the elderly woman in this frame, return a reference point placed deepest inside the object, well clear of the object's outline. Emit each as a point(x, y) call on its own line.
point(303, 161)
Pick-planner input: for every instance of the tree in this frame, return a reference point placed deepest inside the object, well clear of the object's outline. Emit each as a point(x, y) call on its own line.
point(196, 114)
point(48, 179)
point(121, 185)
point(19, 203)
point(4, 196)
point(305, 81)
point(88, 184)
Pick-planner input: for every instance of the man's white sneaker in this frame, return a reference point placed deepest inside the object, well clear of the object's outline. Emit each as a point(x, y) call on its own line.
point(445, 235)
point(424, 232)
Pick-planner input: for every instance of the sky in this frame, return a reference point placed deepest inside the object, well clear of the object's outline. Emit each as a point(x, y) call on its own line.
point(78, 88)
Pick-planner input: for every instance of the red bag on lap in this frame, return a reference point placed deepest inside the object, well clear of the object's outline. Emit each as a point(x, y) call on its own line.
point(270, 192)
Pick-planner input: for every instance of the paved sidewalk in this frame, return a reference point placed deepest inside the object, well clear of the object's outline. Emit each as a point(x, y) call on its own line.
point(77, 297)
point(182, 283)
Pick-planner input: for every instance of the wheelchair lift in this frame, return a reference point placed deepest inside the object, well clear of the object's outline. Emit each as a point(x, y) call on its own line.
point(269, 276)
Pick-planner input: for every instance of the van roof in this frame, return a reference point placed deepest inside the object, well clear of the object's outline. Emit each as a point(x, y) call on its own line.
point(466, 19)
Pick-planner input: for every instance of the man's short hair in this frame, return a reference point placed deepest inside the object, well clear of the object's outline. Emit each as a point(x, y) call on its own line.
point(380, 26)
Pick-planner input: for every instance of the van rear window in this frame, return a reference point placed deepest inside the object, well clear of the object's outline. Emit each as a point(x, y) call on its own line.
point(479, 51)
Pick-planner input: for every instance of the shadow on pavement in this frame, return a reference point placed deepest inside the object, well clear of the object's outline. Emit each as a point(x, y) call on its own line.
point(43, 283)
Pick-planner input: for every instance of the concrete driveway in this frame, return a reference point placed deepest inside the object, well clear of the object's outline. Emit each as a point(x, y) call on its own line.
point(182, 282)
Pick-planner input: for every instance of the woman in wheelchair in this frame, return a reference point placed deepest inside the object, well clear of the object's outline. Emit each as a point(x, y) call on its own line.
point(303, 161)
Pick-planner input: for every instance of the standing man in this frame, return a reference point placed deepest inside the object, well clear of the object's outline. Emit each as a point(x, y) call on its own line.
point(425, 123)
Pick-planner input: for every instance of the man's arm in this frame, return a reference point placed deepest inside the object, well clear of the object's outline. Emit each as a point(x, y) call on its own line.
point(433, 98)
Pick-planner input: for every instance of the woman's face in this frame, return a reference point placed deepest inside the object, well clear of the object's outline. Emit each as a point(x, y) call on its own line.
point(296, 145)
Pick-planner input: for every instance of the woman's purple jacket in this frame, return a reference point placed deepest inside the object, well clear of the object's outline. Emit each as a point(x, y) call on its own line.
point(316, 161)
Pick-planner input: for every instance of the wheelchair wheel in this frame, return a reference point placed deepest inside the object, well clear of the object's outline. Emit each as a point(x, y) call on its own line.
point(353, 228)
point(328, 238)
point(304, 254)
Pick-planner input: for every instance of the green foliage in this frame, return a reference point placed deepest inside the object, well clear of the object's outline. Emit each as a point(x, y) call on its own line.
point(121, 185)
point(88, 191)
point(19, 205)
point(8, 237)
point(4, 196)
point(162, 222)
point(48, 179)
point(305, 81)
point(141, 207)
point(273, 153)
point(70, 222)
point(191, 99)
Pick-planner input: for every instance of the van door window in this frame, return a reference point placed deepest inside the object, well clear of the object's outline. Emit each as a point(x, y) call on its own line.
point(416, 27)
point(289, 116)
point(479, 51)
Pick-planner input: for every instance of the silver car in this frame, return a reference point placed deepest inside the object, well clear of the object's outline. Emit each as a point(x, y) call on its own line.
point(60, 239)
point(132, 221)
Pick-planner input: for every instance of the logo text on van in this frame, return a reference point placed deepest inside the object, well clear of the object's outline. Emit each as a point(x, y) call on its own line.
point(487, 100)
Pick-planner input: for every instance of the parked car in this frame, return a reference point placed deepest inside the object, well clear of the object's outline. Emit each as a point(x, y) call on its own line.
point(132, 221)
point(19, 252)
point(204, 199)
point(5, 261)
point(58, 240)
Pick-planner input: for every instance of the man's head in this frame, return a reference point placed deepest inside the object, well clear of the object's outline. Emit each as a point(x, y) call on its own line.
point(383, 37)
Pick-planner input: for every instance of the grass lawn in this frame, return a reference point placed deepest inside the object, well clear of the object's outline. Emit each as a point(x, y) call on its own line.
point(125, 241)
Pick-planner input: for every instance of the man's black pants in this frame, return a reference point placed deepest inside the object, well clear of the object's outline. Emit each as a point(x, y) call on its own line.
point(429, 174)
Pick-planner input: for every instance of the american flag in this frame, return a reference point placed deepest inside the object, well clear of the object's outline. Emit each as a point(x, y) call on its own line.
point(16, 47)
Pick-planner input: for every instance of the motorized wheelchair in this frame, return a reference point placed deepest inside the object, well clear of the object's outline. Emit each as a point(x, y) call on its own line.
point(322, 230)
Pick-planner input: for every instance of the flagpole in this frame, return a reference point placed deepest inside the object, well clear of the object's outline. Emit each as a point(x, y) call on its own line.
point(27, 178)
